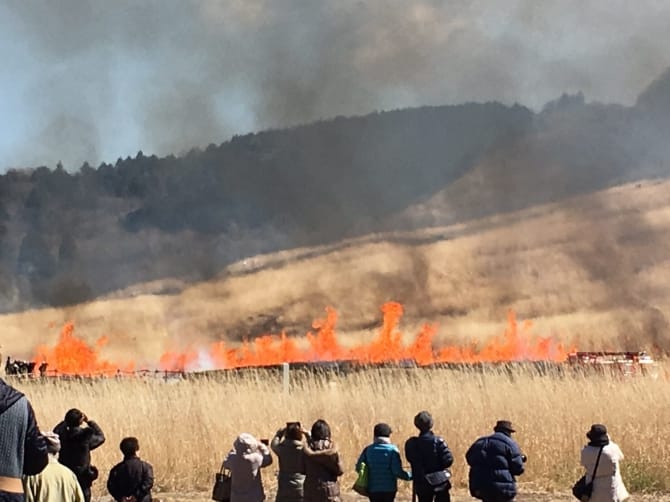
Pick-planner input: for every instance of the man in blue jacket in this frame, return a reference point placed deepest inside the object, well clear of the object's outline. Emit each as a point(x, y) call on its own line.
point(494, 462)
point(430, 459)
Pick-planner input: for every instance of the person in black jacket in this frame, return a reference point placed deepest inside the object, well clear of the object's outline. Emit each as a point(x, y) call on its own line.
point(494, 462)
point(430, 459)
point(76, 445)
point(132, 479)
point(23, 449)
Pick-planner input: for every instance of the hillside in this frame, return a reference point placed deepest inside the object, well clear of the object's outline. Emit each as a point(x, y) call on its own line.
point(71, 237)
point(592, 270)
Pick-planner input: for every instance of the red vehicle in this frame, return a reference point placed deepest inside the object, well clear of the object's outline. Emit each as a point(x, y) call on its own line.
point(625, 363)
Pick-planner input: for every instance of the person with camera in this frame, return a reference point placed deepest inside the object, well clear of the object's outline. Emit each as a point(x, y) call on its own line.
point(132, 479)
point(430, 458)
point(78, 436)
point(600, 459)
point(245, 461)
point(288, 446)
point(494, 462)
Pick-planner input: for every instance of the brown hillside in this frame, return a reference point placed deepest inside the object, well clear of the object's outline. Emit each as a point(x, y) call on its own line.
point(592, 269)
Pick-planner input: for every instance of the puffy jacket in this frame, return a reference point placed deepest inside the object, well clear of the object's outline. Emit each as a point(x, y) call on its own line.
point(245, 461)
point(291, 475)
point(427, 453)
point(494, 462)
point(322, 468)
point(384, 467)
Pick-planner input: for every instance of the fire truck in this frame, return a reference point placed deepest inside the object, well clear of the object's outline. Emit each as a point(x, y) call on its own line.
point(623, 363)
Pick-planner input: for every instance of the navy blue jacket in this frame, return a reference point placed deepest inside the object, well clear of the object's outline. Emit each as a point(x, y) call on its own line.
point(494, 462)
point(427, 453)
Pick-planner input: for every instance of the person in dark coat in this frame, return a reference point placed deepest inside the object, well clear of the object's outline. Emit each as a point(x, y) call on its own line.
point(323, 466)
point(132, 479)
point(23, 449)
point(287, 445)
point(494, 462)
point(429, 454)
point(76, 445)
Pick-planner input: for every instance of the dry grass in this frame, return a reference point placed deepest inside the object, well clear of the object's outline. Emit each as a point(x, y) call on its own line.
point(592, 269)
point(186, 427)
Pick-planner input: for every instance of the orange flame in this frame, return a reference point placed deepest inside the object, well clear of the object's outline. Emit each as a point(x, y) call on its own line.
point(73, 356)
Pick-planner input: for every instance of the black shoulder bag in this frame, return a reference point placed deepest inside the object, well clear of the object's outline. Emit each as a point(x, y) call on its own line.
point(439, 481)
point(222, 485)
point(583, 490)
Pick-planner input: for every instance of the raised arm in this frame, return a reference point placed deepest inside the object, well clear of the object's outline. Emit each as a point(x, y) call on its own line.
point(97, 437)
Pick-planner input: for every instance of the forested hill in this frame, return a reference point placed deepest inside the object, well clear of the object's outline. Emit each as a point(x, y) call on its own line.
point(71, 236)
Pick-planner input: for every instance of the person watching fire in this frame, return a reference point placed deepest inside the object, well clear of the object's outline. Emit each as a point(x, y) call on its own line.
point(430, 458)
point(287, 444)
point(56, 483)
point(23, 449)
point(494, 462)
point(77, 442)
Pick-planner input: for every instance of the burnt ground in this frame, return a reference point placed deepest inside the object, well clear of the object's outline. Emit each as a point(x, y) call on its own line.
point(456, 496)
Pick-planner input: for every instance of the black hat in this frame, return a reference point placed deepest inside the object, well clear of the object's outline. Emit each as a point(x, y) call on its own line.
point(423, 421)
point(504, 426)
point(598, 434)
point(382, 430)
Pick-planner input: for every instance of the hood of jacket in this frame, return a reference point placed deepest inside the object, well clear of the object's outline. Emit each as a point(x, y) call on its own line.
point(8, 396)
point(245, 444)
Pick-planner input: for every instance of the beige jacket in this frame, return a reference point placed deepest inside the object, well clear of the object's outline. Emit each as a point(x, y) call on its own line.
point(56, 483)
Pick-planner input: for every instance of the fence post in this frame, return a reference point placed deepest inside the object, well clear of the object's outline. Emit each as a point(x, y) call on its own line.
point(285, 377)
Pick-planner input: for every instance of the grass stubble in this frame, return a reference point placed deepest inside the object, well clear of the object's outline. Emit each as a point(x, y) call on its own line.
point(185, 427)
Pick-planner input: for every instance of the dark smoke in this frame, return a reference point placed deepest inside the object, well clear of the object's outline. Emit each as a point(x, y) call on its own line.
point(166, 76)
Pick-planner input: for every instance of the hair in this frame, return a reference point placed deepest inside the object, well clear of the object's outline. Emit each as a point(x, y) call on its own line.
point(129, 446)
point(294, 432)
point(320, 430)
point(73, 417)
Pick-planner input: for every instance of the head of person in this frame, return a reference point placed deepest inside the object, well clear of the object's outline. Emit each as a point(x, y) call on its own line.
point(320, 430)
point(245, 443)
point(129, 446)
point(504, 426)
point(423, 421)
point(53, 442)
point(597, 435)
point(382, 430)
point(74, 418)
point(294, 432)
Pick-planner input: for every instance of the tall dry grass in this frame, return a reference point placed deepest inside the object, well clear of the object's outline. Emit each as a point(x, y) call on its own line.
point(185, 427)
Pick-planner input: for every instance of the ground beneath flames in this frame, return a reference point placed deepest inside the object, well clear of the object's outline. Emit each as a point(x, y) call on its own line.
point(456, 496)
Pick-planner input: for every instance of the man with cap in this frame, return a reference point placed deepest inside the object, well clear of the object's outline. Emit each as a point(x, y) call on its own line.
point(384, 465)
point(494, 462)
point(56, 483)
point(430, 458)
point(23, 450)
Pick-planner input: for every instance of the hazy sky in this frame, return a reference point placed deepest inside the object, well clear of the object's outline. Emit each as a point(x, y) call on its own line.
point(97, 80)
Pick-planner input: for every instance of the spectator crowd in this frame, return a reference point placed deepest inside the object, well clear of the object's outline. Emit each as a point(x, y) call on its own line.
point(55, 466)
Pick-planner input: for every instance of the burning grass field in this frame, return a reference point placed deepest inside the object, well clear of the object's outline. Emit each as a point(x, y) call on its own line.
point(185, 427)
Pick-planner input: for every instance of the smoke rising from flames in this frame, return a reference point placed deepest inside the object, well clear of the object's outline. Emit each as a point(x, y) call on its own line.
point(73, 356)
